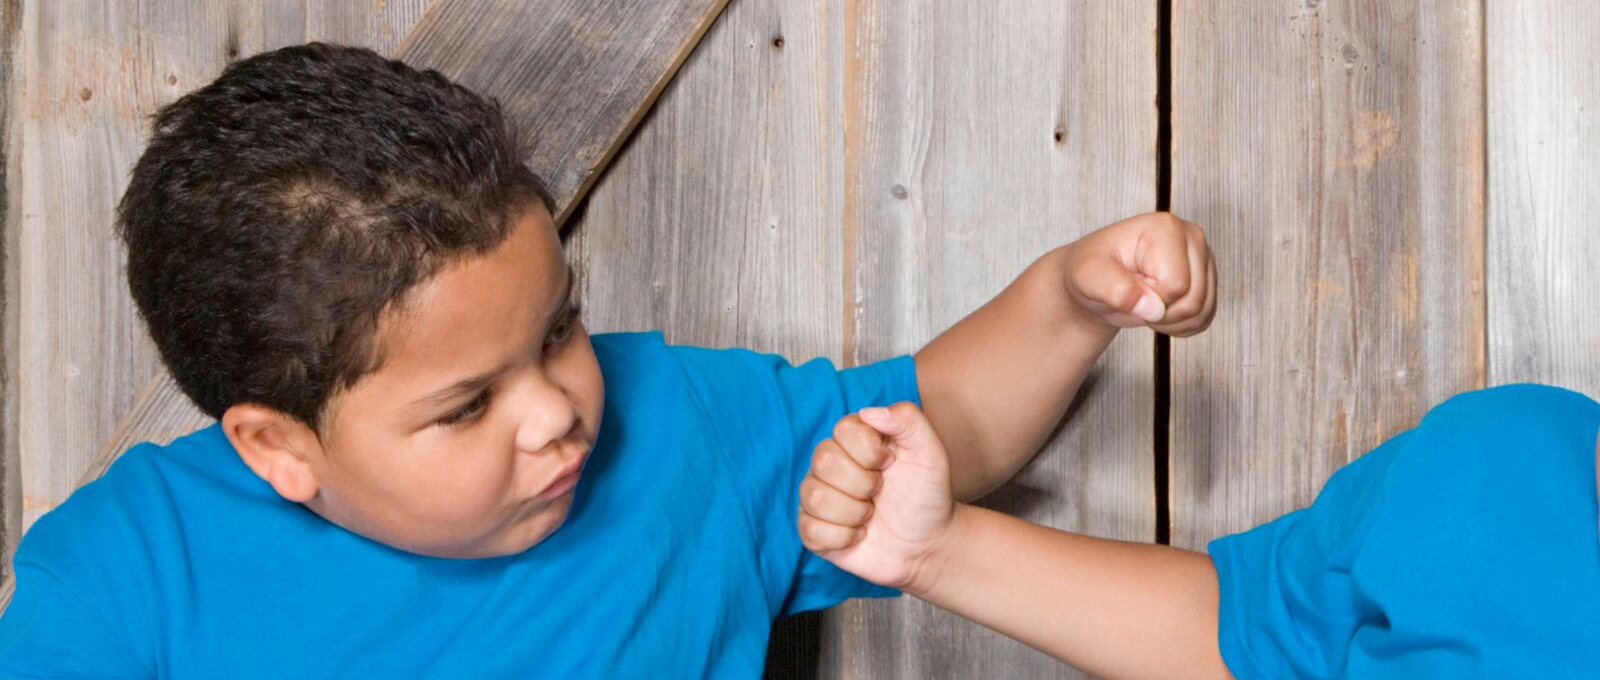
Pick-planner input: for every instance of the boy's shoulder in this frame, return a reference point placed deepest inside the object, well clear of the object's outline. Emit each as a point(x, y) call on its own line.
point(143, 499)
point(1514, 403)
point(716, 378)
point(1492, 427)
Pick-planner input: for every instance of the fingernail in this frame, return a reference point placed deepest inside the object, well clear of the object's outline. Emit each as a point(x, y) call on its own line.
point(1150, 308)
point(877, 413)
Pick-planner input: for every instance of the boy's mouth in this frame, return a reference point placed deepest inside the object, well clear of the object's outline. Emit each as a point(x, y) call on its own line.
point(566, 479)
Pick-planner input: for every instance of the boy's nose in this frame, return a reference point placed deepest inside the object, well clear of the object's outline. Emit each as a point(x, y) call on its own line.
point(548, 416)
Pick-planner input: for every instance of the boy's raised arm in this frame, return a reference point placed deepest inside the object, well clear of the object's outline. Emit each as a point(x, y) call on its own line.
point(995, 384)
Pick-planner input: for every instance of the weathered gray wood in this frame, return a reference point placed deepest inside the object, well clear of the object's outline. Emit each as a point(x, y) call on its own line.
point(160, 414)
point(720, 220)
point(575, 74)
point(10, 218)
point(94, 72)
point(381, 24)
point(1335, 153)
point(980, 136)
point(1544, 93)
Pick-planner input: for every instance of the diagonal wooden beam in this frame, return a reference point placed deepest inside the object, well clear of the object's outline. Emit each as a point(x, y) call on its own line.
point(578, 75)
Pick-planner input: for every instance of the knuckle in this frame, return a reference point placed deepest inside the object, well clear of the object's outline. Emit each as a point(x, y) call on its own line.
point(826, 449)
point(847, 426)
point(811, 530)
point(1124, 294)
point(805, 494)
point(824, 463)
point(1179, 288)
point(816, 496)
point(871, 485)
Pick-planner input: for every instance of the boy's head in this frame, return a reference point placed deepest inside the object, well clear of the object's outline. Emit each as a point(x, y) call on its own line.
point(346, 262)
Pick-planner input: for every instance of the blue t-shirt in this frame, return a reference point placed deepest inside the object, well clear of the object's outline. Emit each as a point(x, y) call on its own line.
point(1468, 547)
point(679, 551)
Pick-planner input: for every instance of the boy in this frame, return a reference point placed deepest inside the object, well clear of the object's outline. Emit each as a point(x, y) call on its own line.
point(1464, 548)
point(343, 260)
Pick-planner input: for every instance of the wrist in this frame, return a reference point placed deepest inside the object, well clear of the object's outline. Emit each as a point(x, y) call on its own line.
point(930, 570)
point(1054, 279)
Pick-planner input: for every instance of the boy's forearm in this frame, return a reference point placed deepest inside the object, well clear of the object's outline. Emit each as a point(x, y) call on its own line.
point(1113, 609)
point(997, 383)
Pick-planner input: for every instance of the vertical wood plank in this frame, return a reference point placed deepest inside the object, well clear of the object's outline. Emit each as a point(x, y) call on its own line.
point(1544, 92)
point(95, 72)
point(719, 222)
point(1335, 153)
point(10, 219)
point(981, 136)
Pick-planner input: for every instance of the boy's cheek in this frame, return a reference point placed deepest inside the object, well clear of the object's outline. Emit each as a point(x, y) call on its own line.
point(590, 382)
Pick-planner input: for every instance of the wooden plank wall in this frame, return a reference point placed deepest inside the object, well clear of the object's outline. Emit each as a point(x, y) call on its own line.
point(1334, 151)
point(10, 219)
point(1544, 139)
point(1398, 193)
point(983, 135)
point(93, 73)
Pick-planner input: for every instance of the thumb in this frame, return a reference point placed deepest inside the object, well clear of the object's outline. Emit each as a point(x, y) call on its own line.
point(908, 430)
point(1125, 290)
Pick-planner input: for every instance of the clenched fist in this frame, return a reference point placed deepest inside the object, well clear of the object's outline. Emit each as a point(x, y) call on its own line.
point(1149, 270)
point(877, 500)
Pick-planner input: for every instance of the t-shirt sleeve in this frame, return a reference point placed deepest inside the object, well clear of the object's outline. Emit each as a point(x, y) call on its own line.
point(769, 416)
point(1289, 604)
point(48, 632)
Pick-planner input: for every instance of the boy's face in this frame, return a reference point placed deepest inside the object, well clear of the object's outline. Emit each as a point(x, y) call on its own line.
point(469, 439)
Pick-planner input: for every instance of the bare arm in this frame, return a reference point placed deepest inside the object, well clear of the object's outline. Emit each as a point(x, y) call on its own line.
point(997, 383)
point(1109, 608)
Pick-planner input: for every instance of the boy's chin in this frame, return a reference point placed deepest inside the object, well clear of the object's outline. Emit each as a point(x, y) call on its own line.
point(510, 540)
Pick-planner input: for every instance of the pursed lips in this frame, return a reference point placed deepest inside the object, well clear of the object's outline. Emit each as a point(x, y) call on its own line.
point(570, 469)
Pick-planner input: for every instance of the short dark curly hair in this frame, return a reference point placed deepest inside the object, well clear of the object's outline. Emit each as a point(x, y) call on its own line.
point(277, 211)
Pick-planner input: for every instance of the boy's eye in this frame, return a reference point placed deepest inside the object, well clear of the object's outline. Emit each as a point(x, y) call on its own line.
point(563, 328)
point(468, 411)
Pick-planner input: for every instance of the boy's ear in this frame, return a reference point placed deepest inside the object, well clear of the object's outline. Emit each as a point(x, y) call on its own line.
point(276, 447)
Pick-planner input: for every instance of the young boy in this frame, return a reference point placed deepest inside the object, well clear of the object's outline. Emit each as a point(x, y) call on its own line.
point(1464, 548)
point(343, 260)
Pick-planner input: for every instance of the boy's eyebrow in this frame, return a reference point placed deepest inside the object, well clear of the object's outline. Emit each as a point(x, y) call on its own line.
point(479, 381)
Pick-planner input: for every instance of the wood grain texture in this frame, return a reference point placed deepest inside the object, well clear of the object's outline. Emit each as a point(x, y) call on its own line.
point(575, 74)
point(10, 219)
point(1334, 151)
point(982, 136)
point(94, 72)
point(719, 222)
point(86, 380)
point(1544, 92)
